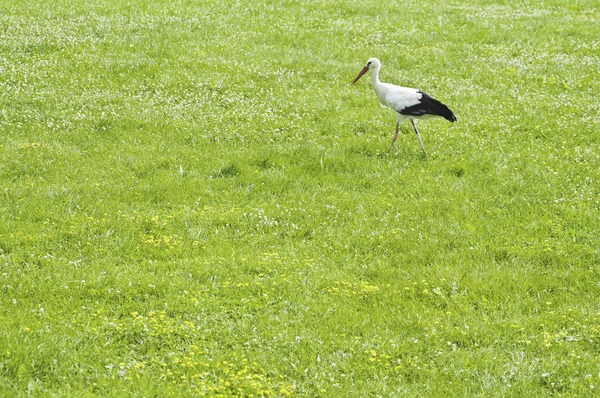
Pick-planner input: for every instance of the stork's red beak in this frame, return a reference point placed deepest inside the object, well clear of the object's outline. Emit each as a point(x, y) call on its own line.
point(362, 72)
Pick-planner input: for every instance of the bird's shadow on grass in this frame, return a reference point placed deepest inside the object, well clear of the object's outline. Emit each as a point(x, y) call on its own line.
point(227, 171)
point(381, 152)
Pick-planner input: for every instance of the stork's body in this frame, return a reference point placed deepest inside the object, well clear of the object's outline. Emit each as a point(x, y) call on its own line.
point(407, 103)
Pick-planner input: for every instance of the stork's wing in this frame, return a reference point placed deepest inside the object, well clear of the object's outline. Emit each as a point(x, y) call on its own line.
point(428, 105)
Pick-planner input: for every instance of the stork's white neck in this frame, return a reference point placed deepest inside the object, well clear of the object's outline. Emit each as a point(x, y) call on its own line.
point(375, 76)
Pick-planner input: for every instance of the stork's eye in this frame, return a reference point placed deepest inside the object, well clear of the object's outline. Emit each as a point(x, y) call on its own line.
point(368, 64)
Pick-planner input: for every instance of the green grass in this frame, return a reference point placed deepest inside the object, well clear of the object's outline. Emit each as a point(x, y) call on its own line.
point(195, 200)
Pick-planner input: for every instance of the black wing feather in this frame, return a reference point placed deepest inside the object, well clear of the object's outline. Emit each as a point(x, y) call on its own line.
point(429, 106)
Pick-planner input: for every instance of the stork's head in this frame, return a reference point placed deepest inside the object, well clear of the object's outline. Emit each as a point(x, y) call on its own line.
point(371, 64)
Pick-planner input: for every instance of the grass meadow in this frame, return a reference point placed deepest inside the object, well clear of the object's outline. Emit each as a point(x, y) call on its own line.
point(195, 201)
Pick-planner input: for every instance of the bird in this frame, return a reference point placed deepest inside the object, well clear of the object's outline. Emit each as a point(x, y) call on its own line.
point(407, 103)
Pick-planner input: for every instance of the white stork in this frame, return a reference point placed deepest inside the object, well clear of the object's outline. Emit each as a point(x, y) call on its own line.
point(407, 103)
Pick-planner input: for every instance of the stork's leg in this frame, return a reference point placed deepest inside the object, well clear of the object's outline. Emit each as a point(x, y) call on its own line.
point(395, 136)
point(418, 136)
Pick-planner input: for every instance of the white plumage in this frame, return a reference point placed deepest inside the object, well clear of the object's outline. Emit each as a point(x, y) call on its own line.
point(407, 103)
